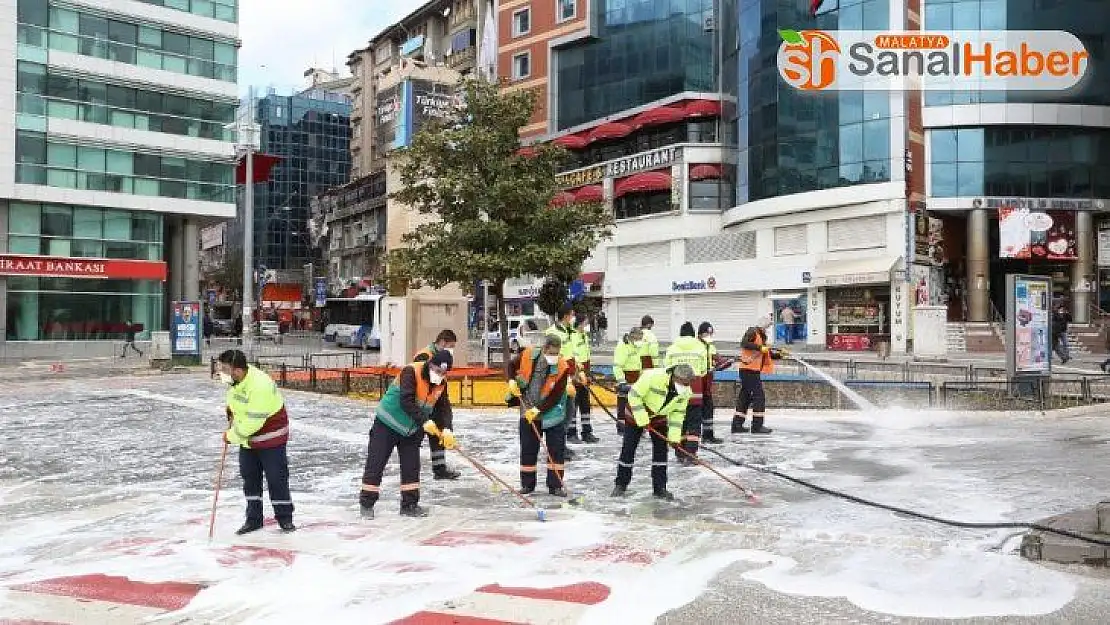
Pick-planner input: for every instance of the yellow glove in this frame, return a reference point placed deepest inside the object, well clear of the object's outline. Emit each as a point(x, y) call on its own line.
point(447, 437)
point(674, 436)
point(571, 391)
point(514, 388)
point(531, 414)
point(582, 378)
point(431, 428)
point(764, 349)
point(233, 438)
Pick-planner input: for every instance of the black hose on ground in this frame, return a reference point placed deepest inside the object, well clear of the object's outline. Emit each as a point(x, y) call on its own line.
point(882, 506)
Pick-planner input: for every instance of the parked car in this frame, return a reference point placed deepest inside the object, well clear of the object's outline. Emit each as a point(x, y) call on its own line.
point(523, 332)
point(269, 330)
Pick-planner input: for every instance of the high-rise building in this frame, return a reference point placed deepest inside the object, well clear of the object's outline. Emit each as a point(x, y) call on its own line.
point(114, 151)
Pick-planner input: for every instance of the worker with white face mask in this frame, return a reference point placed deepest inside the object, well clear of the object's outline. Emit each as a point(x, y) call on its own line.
point(445, 340)
point(415, 404)
point(541, 383)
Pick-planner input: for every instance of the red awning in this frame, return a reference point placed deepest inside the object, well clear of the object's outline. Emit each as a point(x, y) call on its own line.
point(562, 199)
point(590, 193)
point(592, 277)
point(526, 151)
point(572, 142)
point(610, 130)
point(642, 183)
point(706, 172)
point(659, 116)
point(262, 166)
point(703, 108)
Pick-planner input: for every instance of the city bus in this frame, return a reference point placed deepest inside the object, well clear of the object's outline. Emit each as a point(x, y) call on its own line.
point(352, 321)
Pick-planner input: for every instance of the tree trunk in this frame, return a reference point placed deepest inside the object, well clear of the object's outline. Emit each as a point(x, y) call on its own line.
point(503, 326)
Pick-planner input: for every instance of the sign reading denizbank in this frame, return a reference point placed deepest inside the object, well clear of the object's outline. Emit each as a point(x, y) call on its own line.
point(1018, 60)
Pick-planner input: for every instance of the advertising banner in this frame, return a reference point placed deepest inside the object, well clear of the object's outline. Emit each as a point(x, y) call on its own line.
point(1028, 325)
point(1026, 234)
point(321, 292)
point(185, 330)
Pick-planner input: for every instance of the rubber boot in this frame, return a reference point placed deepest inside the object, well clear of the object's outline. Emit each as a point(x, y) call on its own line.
point(247, 528)
point(557, 492)
point(588, 437)
point(572, 437)
point(665, 495)
point(709, 437)
point(287, 526)
point(738, 424)
point(619, 491)
point(367, 512)
point(414, 510)
point(444, 473)
point(757, 426)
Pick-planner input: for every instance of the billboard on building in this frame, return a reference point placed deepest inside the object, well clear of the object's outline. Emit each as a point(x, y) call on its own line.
point(404, 109)
point(1037, 235)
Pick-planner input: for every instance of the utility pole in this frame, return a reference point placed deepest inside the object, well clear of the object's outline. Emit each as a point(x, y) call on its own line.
point(248, 218)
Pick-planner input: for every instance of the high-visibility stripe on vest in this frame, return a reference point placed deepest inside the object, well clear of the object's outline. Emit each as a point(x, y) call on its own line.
point(394, 416)
point(626, 363)
point(563, 369)
point(648, 400)
point(258, 416)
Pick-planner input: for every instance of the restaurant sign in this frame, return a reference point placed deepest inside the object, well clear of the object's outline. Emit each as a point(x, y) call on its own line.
point(644, 161)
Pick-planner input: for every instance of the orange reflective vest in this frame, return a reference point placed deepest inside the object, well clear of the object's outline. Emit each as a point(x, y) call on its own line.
point(527, 361)
point(755, 359)
point(425, 354)
point(393, 415)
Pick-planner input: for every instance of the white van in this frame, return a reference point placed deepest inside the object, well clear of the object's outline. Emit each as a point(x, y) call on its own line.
point(523, 332)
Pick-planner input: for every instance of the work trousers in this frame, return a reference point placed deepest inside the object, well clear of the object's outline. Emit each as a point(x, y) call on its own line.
point(751, 394)
point(632, 436)
point(707, 410)
point(439, 455)
point(578, 408)
point(691, 431)
point(273, 464)
point(378, 451)
point(622, 411)
point(530, 445)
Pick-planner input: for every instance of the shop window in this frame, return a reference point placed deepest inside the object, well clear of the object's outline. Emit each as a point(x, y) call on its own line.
point(642, 204)
point(711, 195)
point(857, 317)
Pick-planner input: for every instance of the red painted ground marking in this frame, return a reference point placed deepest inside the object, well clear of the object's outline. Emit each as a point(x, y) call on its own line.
point(463, 539)
point(246, 554)
point(404, 567)
point(142, 547)
point(163, 595)
point(586, 593)
point(437, 618)
point(620, 554)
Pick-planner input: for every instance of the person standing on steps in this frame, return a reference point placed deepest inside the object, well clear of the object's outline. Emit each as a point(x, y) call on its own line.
point(540, 383)
point(756, 359)
point(414, 405)
point(580, 403)
point(713, 363)
point(649, 357)
point(788, 318)
point(658, 400)
point(445, 340)
point(688, 350)
point(626, 368)
point(259, 425)
point(565, 331)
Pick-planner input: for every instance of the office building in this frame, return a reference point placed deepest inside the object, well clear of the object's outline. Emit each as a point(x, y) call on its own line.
point(113, 153)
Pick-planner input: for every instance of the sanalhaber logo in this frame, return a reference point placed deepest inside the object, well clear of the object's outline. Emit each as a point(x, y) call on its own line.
point(818, 60)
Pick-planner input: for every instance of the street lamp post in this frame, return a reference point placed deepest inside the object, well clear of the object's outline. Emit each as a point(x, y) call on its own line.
point(248, 215)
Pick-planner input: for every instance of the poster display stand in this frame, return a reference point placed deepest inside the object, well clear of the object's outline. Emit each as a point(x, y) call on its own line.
point(1028, 331)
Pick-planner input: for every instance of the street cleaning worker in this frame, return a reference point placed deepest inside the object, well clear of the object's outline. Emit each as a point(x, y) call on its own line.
point(688, 350)
point(541, 380)
point(658, 399)
point(714, 363)
point(756, 359)
point(259, 426)
point(414, 405)
point(627, 366)
point(445, 340)
point(564, 330)
point(580, 403)
point(649, 358)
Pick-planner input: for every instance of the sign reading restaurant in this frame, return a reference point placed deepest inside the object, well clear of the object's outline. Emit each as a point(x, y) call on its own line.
point(644, 161)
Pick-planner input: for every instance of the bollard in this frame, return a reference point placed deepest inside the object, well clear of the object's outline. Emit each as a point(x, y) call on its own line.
point(346, 381)
point(1102, 512)
point(284, 380)
point(312, 378)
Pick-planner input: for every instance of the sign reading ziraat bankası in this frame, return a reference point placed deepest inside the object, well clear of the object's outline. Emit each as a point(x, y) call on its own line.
point(68, 267)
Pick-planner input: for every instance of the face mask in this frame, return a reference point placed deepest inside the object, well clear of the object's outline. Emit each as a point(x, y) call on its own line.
point(435, 377)
point(570, 322)
point(681, 388)
point(708, 338)
point(551, 360)
point(451, 350)
point(638, 343)
point(226, 378)
point(586, 329)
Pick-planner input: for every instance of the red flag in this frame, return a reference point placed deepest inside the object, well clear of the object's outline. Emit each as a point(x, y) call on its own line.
point(821, 7)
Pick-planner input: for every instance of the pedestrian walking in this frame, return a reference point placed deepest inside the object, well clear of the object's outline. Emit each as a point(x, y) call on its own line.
point(445, 340)
point(601, 328)
point(129, 340)
point(541, 382)
point(415, 404)
point(1060, 320)
point(657, 401)
point(756, 359)
point(259, 425)
point(209, 328)
point(627, 366)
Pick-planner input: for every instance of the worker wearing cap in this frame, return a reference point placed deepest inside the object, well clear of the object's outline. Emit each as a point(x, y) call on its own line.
point(656, 404)
point(649, 356)
point(627, 366)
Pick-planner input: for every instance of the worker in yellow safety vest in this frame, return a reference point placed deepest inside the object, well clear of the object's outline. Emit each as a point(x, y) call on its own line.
point(627, 366)
point(688, 350)
point(649, 357)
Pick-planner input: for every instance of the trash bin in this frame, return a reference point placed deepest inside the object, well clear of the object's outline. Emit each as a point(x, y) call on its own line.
point(160, 347)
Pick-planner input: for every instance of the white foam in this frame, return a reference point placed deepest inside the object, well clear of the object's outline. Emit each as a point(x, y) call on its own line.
point(957, 584)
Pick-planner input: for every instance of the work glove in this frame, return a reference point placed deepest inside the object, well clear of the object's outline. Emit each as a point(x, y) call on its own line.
point(431, 428)
point(231, 438)
point(674, 436)
point(582, 378)
point(764, 349)
point(571, 391)
point(531, 414)
point(230, 417)
point(447, 437)
point(623, 388)
point(514, 388)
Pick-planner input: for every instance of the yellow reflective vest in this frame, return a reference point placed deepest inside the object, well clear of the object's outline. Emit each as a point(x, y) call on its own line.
point(566, 335)
point(648, 400)
point(258, 417)
point(626, 362)
point(687, 350)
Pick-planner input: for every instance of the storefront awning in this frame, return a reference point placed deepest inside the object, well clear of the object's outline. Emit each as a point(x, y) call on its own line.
point(643, 183)
point(592, 279)
point(707, 171)
point(703, 108)
point(572, 142)
point(610, 130)
point(562, 199)
point(855, 271)
point(658, 116)
point(590, 193)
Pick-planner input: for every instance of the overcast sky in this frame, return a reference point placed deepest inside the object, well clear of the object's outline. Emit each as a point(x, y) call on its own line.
point(283, 38)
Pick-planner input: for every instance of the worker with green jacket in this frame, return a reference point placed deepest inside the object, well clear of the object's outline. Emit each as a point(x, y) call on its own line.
point(564, 331)
point(688, 350)
point(656, 403)
point(626, 368)
point(580, 405)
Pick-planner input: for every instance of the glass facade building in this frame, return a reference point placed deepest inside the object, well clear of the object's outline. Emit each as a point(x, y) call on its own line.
point(645, 50)
point(790, 141)
point(311, 133)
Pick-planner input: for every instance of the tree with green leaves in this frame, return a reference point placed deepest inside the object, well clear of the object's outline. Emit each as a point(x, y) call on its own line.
point(491, 203)
point(554, 292)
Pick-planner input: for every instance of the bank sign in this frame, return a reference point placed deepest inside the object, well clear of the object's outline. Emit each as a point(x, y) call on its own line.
point(708, 284)
point(644, 161)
